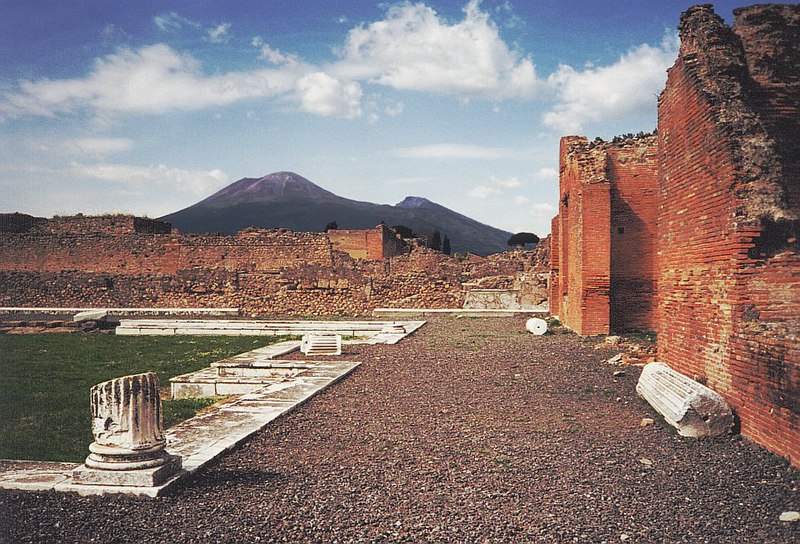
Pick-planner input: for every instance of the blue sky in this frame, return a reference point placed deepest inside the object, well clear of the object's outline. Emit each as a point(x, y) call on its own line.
point(147, 107)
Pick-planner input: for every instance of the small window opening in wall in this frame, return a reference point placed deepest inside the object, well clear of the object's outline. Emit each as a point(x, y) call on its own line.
point(620, 230)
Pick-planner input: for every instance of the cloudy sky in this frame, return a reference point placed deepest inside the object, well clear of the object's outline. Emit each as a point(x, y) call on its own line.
point(147, 107)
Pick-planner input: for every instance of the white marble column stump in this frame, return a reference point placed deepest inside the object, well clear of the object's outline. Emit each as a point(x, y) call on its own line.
point(128, 447)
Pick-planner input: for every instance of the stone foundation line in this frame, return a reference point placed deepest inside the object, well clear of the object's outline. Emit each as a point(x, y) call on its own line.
point(122, 311)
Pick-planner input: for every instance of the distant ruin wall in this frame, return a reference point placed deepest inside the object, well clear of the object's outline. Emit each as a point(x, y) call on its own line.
point(262, 272)
point(374, 244)
point(53, 250)
point(729, 288)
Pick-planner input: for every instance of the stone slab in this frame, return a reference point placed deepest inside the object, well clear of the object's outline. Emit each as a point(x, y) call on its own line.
point(90, 315)
point(422, 312)
point(33, 475)
point(253, 327)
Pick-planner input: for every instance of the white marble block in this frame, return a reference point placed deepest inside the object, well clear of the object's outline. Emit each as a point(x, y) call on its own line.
point(90, 315)
point(692, 408)
point(321, 344)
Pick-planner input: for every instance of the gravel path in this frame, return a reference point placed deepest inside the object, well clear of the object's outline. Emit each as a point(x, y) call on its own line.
point(468, 431)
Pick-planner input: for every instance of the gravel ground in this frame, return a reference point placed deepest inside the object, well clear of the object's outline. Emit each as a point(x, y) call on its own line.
point(468, 431)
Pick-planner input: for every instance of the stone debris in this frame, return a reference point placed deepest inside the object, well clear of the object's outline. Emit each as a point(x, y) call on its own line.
point(692, 408)
point(616, 359)
point(790, 516)
point(612, 340)
point(618, 373)
point(646, 422)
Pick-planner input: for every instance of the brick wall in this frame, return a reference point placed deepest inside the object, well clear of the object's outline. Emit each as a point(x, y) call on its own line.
point(555, 265)
point(633, 173)
point(729, 280)
point(604, 235)
point(704, 224)
point(376, 244)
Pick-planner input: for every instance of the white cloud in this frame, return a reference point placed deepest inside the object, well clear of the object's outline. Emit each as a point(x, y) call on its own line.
point(546, 174)
point(143, 178)
point(219, 33)
point(154, 79)
point(521, 200)
point(483, 191)
point(543, 210)
point(274, 56)
point(509, 183)
point(629, 86)
point(98, 147)
point(495, 187)
point(171, 22)
point(323, 95)
point(414, 49)
point(455, 151)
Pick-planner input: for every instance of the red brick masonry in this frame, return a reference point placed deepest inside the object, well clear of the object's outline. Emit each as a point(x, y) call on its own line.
point(701, 239)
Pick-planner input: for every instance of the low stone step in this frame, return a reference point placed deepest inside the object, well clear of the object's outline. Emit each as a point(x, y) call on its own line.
point(207, 382)
point(321, 344)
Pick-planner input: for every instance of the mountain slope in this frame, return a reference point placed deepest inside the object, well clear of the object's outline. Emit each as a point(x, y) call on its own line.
point(287, 200)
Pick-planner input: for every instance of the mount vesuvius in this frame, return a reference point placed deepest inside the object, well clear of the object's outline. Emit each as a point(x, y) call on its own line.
point(287, 200)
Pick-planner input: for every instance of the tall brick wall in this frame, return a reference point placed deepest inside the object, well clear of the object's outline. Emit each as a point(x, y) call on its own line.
point(604, 235)
point(729, 280)
point(633, 173)
point(584, 252)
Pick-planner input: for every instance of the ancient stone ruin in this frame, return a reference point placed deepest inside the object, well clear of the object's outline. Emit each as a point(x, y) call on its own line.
point(128, 447)
point(123, 261)
point(693, 232)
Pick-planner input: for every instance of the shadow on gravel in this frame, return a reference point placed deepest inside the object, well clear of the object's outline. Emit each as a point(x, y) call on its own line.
point(231, 477)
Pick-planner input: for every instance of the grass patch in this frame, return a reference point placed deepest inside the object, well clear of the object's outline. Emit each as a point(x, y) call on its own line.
point(45, 381)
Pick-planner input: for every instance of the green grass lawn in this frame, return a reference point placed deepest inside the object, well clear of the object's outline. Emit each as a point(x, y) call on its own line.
point(45, 381)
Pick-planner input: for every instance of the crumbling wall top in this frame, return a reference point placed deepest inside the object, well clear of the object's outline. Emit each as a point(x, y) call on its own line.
point(712, 55)
point(770, 34)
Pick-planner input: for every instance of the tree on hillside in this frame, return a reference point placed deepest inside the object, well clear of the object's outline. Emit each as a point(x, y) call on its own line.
point(404, 231)
point(331, 226)
point(446, 245)
point(436, 241)
point(522, 238)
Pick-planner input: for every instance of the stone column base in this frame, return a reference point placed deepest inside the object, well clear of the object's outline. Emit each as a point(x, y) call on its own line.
point(143, 477)
point(117, 458)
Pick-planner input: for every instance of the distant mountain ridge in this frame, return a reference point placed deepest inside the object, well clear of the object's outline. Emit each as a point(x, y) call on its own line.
point(288, 200)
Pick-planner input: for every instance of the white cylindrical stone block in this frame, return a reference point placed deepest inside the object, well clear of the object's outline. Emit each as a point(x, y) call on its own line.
point(127, 424)
point(536, 326)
